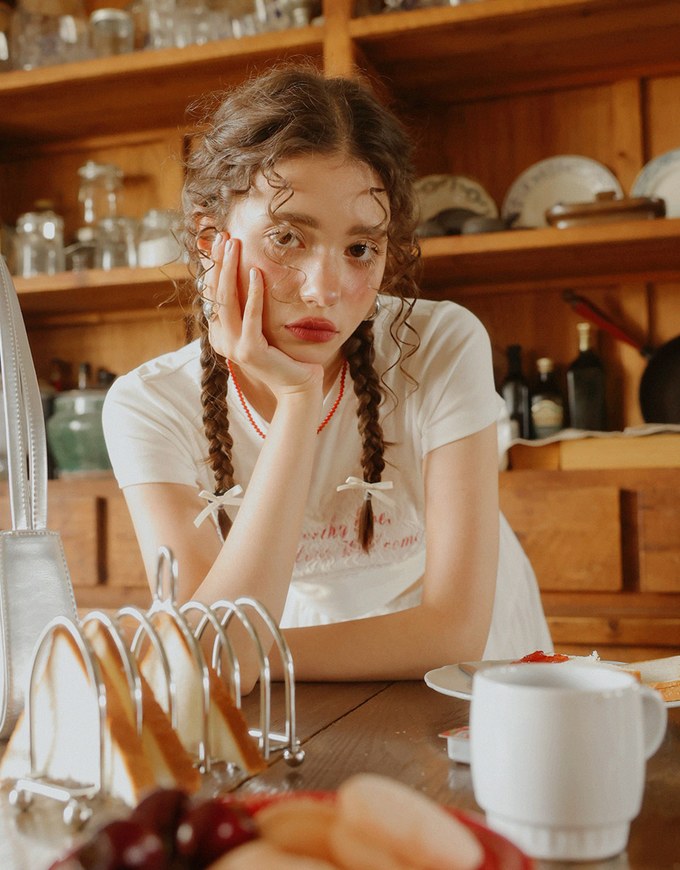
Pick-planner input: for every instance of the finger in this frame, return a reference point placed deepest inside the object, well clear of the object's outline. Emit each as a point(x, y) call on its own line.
point(208, 279)
point(252, 313)
point(227, 294)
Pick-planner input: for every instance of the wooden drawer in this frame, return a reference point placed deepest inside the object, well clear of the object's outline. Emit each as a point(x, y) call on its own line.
point(659, 540)
point(572, 537)
point(99, 540)
point(78, 519)
point(124, 560)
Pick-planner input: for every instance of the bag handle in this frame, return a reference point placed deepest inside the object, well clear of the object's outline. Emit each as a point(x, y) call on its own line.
point(24, 420)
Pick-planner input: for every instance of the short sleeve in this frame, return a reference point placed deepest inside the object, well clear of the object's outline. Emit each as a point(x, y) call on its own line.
point(456, 383)
point(148, 439)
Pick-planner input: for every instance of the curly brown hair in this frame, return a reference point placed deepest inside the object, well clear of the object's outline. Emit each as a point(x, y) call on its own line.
point(290, 111)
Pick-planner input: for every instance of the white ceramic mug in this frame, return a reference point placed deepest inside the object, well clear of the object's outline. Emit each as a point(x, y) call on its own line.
point(558, 755)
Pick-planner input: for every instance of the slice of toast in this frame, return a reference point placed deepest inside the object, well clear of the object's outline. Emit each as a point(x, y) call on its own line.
point(228, 737)
point(171, 764)
point(662, 674)
point(66, 729)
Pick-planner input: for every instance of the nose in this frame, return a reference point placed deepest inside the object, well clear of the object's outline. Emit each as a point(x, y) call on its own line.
point(320, 283)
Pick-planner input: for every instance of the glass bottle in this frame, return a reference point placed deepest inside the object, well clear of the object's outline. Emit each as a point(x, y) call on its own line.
point(547, 401)
point(99, 191)
point(515, 392)
point(586, 385)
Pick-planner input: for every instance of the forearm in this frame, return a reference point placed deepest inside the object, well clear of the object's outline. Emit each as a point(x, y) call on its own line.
point(402, 645)
point(258, 555)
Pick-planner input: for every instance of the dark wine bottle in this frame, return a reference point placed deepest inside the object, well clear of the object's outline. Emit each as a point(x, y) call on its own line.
point(547, 401)
point(515, 392)
point(586, 385)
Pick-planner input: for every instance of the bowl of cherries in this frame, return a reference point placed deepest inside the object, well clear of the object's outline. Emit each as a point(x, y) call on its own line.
point(167, 830)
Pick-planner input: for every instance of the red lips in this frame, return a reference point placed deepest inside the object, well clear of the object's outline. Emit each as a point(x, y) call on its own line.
point(313, 329)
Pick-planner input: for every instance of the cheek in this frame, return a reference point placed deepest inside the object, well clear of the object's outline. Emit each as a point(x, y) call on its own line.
point(362, 283)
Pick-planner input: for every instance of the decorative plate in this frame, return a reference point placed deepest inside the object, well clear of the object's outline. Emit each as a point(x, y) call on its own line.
point(439, 192)
point(562, 179)
point(661, 178)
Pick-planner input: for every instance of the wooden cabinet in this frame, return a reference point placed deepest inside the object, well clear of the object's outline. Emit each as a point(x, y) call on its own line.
point(488, 88)
point(605, 546)
point(99, 541)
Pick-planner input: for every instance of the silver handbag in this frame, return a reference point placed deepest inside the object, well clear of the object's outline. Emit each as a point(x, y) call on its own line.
point(35, 585)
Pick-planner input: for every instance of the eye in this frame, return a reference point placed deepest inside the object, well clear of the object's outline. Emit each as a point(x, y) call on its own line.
point(364, 252)
point(284, 238)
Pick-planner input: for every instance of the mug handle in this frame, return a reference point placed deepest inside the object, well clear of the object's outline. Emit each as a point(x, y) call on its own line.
point(655, 718)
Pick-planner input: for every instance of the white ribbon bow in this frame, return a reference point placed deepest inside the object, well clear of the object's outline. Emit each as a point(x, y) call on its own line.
point(369, 489)
point(215, 502)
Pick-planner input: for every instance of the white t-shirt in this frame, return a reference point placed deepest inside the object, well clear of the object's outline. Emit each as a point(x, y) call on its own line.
point(154, 433)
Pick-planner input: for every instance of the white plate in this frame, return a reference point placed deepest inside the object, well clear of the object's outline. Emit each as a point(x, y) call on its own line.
point(438, 192)
point(661, 178)
point(566, 178)
point(450, 680)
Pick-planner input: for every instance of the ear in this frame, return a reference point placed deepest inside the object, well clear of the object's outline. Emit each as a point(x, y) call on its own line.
point(206, 233)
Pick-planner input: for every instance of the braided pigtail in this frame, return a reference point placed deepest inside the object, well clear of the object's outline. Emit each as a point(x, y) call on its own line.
point(214, 378)
point(360, 355)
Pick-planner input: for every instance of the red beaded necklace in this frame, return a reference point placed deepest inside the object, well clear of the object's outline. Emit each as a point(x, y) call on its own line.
point(326, 420)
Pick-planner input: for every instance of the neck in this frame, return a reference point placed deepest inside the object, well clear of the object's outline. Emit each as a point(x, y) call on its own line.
point(331, 372)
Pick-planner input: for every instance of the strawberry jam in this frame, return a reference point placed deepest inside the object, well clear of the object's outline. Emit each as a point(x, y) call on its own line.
point(540, 656)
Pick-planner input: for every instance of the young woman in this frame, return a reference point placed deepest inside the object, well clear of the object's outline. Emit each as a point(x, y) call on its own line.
point(328, 445)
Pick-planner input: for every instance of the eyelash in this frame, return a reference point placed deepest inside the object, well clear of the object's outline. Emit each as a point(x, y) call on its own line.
point(276, 236)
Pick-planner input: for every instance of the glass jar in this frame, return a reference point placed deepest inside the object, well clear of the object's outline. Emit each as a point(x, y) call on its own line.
point(116, 243)
point(75, 434)
point(99, 191)
point(43, 33)
point(6, 13)
point(160, 22)
point(82, 253)
point(39, 244)
point(112, 31)
point(158, 234)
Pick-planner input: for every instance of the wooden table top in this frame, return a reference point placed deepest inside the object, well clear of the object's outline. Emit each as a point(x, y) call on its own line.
point(392, 729)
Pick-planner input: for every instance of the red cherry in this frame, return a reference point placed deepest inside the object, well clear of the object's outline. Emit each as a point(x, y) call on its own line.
point(161, 811)
point(131, 846)
point(211, 828)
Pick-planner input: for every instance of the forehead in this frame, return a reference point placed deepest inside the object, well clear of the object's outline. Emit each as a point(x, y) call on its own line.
point(325, 184)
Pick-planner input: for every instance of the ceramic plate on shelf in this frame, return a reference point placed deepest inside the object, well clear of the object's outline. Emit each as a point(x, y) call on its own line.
point(661, 178)
point(440, 192)
point(452, 680)
point(563, 179)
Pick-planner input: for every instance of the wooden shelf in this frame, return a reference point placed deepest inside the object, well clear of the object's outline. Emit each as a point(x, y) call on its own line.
point(486, 47)
point(485, 263)
point(138, 91)
point(493, 47)
point(99, 290)
point(539, 258)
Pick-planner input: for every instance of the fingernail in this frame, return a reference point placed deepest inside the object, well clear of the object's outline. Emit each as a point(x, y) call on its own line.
point(253, 275)
point(227, 246)
point(216, 243)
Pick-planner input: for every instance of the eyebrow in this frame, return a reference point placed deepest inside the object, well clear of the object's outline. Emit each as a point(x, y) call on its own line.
point(309, 221)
